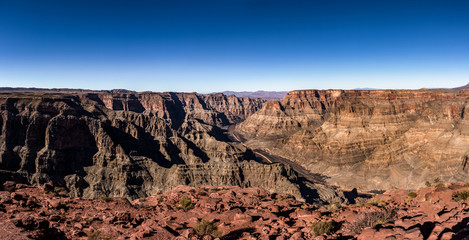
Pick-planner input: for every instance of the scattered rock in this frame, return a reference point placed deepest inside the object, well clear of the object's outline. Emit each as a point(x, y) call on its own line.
point(76, 218)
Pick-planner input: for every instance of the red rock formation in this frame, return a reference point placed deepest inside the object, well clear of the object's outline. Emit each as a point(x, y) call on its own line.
point(435, 212)
point(370, 139)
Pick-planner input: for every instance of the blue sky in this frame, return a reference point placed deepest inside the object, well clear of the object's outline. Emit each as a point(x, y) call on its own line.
point(213, 45)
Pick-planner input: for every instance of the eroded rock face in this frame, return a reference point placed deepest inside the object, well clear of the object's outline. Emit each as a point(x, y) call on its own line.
point(368, 139)
point(132, 145)
point(213, 109)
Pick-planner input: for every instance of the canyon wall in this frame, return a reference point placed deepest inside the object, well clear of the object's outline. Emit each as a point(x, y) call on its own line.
point(132, 145)
point(369, 139)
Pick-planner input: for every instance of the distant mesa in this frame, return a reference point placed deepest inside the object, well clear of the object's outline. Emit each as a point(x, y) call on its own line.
point(266, 95)
point(367, 89)
point(462, 87)
point(62, 90)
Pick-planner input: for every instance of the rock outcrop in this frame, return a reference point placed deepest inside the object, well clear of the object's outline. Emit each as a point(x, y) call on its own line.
point(132, 145)
point(372, 140)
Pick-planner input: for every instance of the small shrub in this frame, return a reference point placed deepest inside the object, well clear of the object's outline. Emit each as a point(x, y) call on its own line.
point(372, 219)
point(186, 203)
point(59, 191)
point(107, 199)
point(359, 201)
point(382, 204)
point(461, 196)
point(322, 227)
point(436, 180)
point(381, 222)
point(206, 227)
point(89, 221)
point(378, 203)
point(440, 185)
point(94, 235)
point(466, 185)
point(334, 207)
point(428, 184)
point(412, 195)
point(282, 198)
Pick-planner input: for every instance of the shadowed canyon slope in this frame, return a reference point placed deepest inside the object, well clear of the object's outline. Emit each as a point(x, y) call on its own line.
point(133, 145)
point(368, 139)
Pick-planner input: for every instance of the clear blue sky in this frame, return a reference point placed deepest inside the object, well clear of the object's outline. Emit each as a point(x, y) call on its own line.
point(215, 45)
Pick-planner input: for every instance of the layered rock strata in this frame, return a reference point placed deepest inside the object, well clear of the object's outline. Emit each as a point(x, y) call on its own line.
point(369, 139)
point(132, 145)
point(213, 109)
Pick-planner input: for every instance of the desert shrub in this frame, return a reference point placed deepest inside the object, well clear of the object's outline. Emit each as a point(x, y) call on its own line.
point(436, 180)
point(107, 199)
point(428, 184)
point(440, 185)
point(372, 219)
point(206, 227)
point(378, 203)
point(466, 185)
point(360, 201)
point(322, 227)
point(334, 206)
point(412, 194)
point(89, 221)
point(282, 198)
point(94, 235)
point(461, 196)
point(59, 191)
point(186, 204)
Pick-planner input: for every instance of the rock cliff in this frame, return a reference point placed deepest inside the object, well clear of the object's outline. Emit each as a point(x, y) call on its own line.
point(373, 140)
point(132, 145)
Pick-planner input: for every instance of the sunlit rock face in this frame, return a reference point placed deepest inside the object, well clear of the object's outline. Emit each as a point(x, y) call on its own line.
point(132, 145)
point(377, 139)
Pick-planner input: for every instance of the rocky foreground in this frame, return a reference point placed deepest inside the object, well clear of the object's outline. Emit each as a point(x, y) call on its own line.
point(439, 211)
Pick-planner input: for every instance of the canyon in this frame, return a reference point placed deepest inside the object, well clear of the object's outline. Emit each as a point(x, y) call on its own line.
point(83, 164)
point(133, 145)
point(372, 140)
